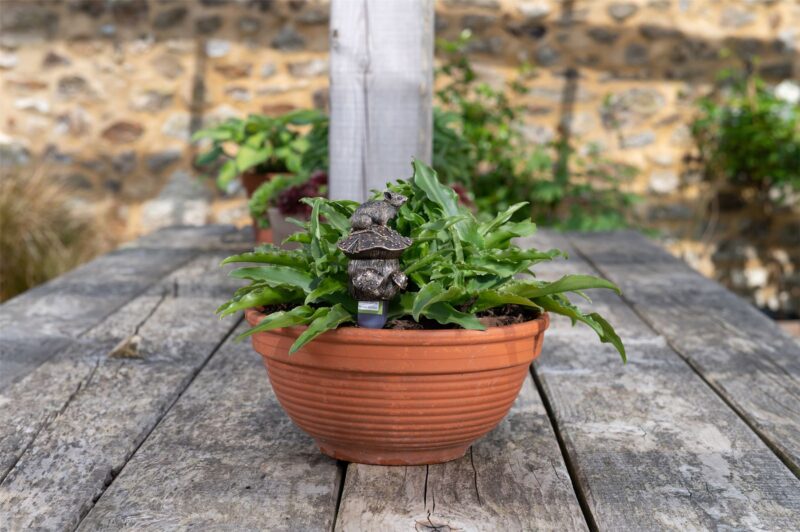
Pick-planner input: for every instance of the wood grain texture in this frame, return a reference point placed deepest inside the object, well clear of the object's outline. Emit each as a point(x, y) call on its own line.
point(68, 427)
point(742, 353)
point(38, 323)
point(226, 456)
point(652, 447)
point(381, 54)
point(513, 479)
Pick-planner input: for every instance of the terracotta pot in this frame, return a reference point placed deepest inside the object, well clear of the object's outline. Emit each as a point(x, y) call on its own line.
point(252, 180)
point(396, 397)
point(262, 236)
point(282, 229)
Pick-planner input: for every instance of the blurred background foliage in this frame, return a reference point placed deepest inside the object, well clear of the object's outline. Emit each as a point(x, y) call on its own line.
point(603, 115)
point(747, 134)
point(478, 142)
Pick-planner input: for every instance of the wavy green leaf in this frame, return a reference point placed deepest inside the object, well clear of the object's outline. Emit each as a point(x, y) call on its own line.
point(433, 293)
point(325, 287)
point(276, 276)
point(604, 330)
point(301, 315)
point(493, 298)
point(262, 296)
point(445, 313)
point(227, 173)
point(325, 319)
point(270, 254)
point(248, 157)
point(501, 218)
point(444, 196)
point(568, 283)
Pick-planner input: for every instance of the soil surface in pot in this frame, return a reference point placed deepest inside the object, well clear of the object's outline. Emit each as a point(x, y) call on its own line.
point(495, 317)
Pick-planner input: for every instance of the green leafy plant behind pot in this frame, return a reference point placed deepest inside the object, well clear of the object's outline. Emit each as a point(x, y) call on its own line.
point(479, 142)
point(285, 192)
point(457, 267)
point(262, 144)
point(748, 135)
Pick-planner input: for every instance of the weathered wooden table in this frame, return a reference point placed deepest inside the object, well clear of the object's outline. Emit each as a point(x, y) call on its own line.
point(125, 404)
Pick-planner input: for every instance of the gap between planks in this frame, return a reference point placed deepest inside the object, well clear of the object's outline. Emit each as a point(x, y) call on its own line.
point(573, 477)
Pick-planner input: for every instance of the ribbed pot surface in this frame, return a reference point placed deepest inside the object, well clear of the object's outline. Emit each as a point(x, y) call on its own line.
point(399, 397)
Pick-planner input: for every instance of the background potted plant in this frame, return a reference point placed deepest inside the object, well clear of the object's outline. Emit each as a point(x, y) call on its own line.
point(458, 344)
point(275, 202)
point(257, 148)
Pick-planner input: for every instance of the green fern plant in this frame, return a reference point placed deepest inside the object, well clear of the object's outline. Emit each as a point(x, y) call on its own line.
point(265, 144)
point(458, 268)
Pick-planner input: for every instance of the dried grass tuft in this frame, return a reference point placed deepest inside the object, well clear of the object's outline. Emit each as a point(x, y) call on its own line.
point(41, 236)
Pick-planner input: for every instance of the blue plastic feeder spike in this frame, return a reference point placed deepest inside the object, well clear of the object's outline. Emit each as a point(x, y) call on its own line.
point(372, 314)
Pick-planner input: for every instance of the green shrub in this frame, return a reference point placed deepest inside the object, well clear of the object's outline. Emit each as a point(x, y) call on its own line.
point(288, 143)
point(747, 136)
point(478, 141)
point(458, 267)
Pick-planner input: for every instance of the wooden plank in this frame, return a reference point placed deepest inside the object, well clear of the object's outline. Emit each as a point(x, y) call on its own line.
point(512, 479)
point(27, 407)
point(68, 427)
point(651, 446)
point(38, 323)
point(225, 456)
point(738, 350)
point(381, 92)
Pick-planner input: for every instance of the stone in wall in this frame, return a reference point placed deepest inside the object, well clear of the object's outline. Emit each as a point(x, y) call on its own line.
point(533, 11)
point(183, 201)
point(217, 48)
point(288, 39)
point(177, 126)
point(168, 66)
point(314, 16)
point(152, 101)
point(129, 11)
point(73, 86)
point(637, 140)
point(308, 69)
point(123, 163)
point(632, 107)
point(664, 181)
point(123, 132)
point(53, 60)
point(208, 25)
point(234, 70)
point(160, 161)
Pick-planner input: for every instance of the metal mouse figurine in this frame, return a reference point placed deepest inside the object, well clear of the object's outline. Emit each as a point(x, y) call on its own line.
point(374, 251)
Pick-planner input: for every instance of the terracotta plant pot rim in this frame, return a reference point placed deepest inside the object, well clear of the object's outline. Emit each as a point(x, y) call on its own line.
point(423, 337)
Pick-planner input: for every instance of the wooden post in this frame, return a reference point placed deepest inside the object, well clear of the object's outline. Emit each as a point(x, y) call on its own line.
point(381, 54)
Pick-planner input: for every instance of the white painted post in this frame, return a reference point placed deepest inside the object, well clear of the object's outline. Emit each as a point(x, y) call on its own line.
point(381, 84)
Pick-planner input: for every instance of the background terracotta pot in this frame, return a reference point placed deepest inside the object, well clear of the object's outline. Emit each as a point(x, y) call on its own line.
point(252, 180)
point(262, 236)
point(399, 397)
point(282, 229)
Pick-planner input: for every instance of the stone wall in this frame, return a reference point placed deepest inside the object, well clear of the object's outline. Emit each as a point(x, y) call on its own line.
point(106, 93)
